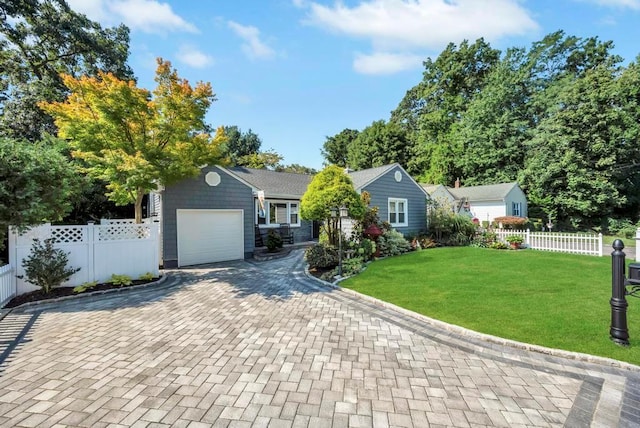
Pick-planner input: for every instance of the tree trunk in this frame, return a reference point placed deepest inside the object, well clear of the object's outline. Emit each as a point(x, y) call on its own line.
point(138, 206)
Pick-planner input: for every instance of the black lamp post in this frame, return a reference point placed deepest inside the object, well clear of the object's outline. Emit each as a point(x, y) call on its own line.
point(619, 332)
point(341, 213)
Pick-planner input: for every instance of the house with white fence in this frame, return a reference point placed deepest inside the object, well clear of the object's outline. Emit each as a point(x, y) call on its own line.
point(482, 202)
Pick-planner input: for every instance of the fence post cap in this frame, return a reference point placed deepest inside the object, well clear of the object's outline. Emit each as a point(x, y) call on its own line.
point(618, 245)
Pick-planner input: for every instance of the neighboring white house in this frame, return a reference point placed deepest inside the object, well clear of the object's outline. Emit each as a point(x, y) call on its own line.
point(482, 202)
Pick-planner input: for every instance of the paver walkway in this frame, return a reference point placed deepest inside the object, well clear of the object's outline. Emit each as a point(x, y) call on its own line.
point(260, 344)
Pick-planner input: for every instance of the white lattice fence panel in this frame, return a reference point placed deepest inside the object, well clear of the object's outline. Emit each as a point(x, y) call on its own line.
point(116, 232)
point(109, 221)
point(68, 234)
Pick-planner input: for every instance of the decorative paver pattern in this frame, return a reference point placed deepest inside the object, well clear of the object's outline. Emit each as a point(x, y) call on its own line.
point(259, 344)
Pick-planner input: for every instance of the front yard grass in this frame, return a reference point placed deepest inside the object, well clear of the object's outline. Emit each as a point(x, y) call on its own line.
point(549, 299)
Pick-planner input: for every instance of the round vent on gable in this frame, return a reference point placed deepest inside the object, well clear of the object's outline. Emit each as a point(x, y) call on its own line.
point(212, 179)
point(398, 176)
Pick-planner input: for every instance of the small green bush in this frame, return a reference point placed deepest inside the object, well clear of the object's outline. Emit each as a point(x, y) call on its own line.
point(274, 241)
point(46, 266)
point(499, 245)
point(484, 240)
point(393, 243)
point(515, 239)
point(120, 280)
point(352, 266)
point(365, 249)
point(321, 256)
point(85, 286)
point(146, 276)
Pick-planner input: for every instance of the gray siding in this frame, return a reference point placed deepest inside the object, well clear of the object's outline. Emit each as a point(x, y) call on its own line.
point(386, 187)
point(196, 194)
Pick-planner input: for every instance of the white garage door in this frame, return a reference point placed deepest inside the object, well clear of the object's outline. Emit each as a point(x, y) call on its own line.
point(207, 236)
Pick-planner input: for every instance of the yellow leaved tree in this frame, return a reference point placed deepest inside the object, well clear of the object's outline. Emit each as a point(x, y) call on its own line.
point(133, 139)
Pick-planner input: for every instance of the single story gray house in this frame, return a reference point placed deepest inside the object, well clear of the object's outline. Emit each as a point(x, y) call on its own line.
point(218, 215)
point(482, 202)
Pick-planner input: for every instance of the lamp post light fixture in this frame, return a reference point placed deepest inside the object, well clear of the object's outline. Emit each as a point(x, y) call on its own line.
point(340, 213)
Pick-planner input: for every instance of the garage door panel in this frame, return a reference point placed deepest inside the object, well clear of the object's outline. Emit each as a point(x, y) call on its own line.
point(207, 236)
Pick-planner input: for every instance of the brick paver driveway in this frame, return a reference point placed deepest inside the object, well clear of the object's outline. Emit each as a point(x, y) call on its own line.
point(260, 344)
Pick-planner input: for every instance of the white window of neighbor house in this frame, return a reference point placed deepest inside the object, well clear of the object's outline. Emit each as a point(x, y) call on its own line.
point(398, 214)
point(516, 209)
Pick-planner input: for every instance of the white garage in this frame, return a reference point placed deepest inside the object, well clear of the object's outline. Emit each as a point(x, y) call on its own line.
point(207, 236)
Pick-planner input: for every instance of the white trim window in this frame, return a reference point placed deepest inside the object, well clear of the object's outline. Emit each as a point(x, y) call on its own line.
point(516, 209)
point(278, 212)
point(398, 212)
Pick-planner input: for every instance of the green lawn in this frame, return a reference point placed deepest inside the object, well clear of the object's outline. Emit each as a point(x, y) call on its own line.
point(550, 299)
point(608, 239)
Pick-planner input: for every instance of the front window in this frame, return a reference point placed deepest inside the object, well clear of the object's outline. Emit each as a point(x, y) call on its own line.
point(398, 215)
point(277, 212)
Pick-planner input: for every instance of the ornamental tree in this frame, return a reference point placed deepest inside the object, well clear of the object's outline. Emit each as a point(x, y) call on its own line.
point(135, 140)
point(37, 183)
point(330, 188)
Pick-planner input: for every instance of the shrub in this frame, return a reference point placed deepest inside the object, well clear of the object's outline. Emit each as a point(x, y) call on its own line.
point(46, 267)
point(623, 228)
point(120, 280)
point(511, 222)
point(392, 243)
point(484, 240)
point(85, 286)
point(448, 228)
point(515, 239)
point(322, 256)
point(274, 241)
point(365, 248)
point(352, 266)
point(499, 245)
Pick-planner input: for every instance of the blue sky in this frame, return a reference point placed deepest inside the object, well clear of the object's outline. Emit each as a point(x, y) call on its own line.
point(297, 71)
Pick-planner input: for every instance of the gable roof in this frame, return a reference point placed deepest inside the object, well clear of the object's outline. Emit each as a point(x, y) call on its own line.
point(290, 185)
point(366, 176)
point(274, 184)
point(490, 192)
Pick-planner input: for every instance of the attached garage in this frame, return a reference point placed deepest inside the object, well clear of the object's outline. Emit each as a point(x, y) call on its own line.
point(209, 235)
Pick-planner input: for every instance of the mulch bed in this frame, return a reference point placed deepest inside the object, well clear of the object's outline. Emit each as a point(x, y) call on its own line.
point(38, 295)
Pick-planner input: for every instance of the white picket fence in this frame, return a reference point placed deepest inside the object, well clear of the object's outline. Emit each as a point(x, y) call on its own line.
point(98, 250)
point(7, 285)
point(576, 243)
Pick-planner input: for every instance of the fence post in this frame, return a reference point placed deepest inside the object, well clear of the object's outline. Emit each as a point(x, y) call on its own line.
point(619, 332)
point(638, 244)
point(600, 249)
point(528, 238)
point(13, 259)
point(91, 253)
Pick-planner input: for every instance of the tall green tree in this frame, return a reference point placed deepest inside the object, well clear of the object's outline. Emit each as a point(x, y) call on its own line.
point(39, 40)
point(379, 144)
point(569, 170)
point(432, 108)
point(330, 188)
point(335, 148)
point(496, 127)
point(134, 141)
point(240, 144)
point(37, 183)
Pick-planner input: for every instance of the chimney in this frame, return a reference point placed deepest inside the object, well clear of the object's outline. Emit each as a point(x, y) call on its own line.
point(456, 185)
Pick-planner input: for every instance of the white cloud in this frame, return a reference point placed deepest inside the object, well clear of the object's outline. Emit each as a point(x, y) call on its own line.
point(424, 23)
point(253, 47)
point(149, 16)
point(631, 4)
point(193, 57)
point(400, 29)
point(385, 63)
